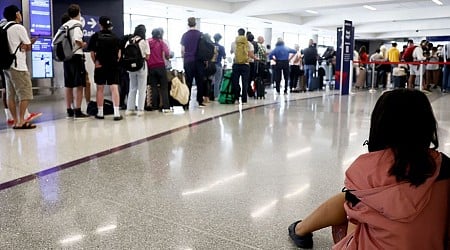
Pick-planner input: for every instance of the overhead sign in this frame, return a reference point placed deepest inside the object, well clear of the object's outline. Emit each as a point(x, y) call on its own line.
point(90, 25)
point(40, 18)
point(41, 58)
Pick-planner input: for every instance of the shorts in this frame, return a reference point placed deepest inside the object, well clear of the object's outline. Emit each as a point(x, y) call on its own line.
point(75, 72)
point(414, 70)
point(18, 85)
point(3, 83)
point(106, 75)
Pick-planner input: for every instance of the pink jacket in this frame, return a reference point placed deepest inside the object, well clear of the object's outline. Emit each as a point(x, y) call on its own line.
point(158, 49)
point(394, 215)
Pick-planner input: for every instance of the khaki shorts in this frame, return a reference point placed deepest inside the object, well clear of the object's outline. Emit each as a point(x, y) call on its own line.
point(18, 85)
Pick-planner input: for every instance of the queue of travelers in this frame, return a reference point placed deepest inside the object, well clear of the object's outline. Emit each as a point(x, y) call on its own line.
point(147, 87)
point(391, 192)
point(405, 66)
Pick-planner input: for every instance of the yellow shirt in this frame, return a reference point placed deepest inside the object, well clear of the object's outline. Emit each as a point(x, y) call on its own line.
point(394, 55)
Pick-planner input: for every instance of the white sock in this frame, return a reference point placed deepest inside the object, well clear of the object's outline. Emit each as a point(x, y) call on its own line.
point(8, 114)
point(116, 111)
point(100, 111)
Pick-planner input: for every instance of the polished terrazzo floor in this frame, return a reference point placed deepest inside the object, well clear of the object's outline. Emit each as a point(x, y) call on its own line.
point(222, 177)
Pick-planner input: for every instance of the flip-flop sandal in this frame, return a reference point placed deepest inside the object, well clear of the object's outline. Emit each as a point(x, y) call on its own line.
point(305, 241)
point(26, 125)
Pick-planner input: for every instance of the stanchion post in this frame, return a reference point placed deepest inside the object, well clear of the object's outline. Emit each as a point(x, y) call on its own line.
point(372, 89)
point(420, 77)
point(350, 78)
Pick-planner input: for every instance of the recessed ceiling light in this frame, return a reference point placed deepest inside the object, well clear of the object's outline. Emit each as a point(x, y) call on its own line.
point(437, 2)
point(312, 11)
point(369, 7)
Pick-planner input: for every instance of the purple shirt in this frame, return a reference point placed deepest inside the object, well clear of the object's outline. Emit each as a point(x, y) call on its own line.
point(190, 42)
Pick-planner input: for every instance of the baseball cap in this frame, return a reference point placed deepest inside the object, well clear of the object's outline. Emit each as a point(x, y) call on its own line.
point(105, 22)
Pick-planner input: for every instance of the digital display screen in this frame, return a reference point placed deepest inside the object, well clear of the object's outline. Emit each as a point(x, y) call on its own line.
point(41, 58)
point(40, 18)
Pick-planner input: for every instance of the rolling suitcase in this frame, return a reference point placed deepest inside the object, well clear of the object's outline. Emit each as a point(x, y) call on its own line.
point(361, 78)
point(315, 84)
point(259, 82)
point(260, 88)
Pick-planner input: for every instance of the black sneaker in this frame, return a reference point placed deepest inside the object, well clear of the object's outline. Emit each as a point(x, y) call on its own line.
point(70, 113)
point(305, 241)
point(118, 118)
point(99, 117)
point(80, 116)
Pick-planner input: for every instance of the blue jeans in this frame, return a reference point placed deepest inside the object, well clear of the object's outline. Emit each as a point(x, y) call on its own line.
point(446, 80)
point(309, 72)
point(217, 80)
point(138, 87)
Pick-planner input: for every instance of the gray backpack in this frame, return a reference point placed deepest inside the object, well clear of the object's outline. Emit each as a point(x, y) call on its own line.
point(62, 43)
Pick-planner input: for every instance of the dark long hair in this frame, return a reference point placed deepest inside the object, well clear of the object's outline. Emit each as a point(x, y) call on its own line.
point(403, 121)
point(140, 31)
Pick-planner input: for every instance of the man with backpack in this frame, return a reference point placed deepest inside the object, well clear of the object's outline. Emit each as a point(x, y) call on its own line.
point(15, 67)
point(74, 69)
point(104, 46)
point(243, 51)
point(192, 66)
point(220, 56)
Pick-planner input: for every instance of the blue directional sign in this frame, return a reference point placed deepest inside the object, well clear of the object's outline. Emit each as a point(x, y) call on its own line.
point(90, 25)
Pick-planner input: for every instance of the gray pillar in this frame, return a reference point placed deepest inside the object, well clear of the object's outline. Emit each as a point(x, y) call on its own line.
point(199, 22)
point(315, 38)
point(268, 35)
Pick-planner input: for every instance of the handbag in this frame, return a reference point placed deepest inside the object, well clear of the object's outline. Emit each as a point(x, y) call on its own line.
point(179, 91)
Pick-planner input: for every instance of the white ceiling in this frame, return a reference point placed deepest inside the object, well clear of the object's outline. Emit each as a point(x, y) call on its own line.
point(391, 19)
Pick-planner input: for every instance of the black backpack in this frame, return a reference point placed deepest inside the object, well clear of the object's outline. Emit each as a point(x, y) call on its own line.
point(205, 49)
point(132, 59)
point(6, 58)
point(255, 47)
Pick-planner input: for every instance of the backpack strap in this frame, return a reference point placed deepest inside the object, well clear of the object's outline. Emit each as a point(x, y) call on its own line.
point(69, 37)
point(7, 26)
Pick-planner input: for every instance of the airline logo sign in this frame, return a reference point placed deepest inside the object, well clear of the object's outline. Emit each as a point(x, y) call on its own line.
point(90, 25)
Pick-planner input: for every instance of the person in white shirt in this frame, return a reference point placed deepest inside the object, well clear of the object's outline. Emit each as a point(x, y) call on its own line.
point(19, 84)
point(138, 79)
point(415, 69)
point(74, 69)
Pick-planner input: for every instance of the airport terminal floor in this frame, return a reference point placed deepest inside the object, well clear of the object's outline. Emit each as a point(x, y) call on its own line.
point(221, 177)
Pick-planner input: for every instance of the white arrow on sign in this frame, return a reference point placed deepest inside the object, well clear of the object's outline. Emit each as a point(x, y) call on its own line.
point(92, 22)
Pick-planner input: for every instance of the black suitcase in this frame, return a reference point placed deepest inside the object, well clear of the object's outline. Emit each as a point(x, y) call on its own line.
point(399, 81)
point(260, 88)
point(315, 84)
